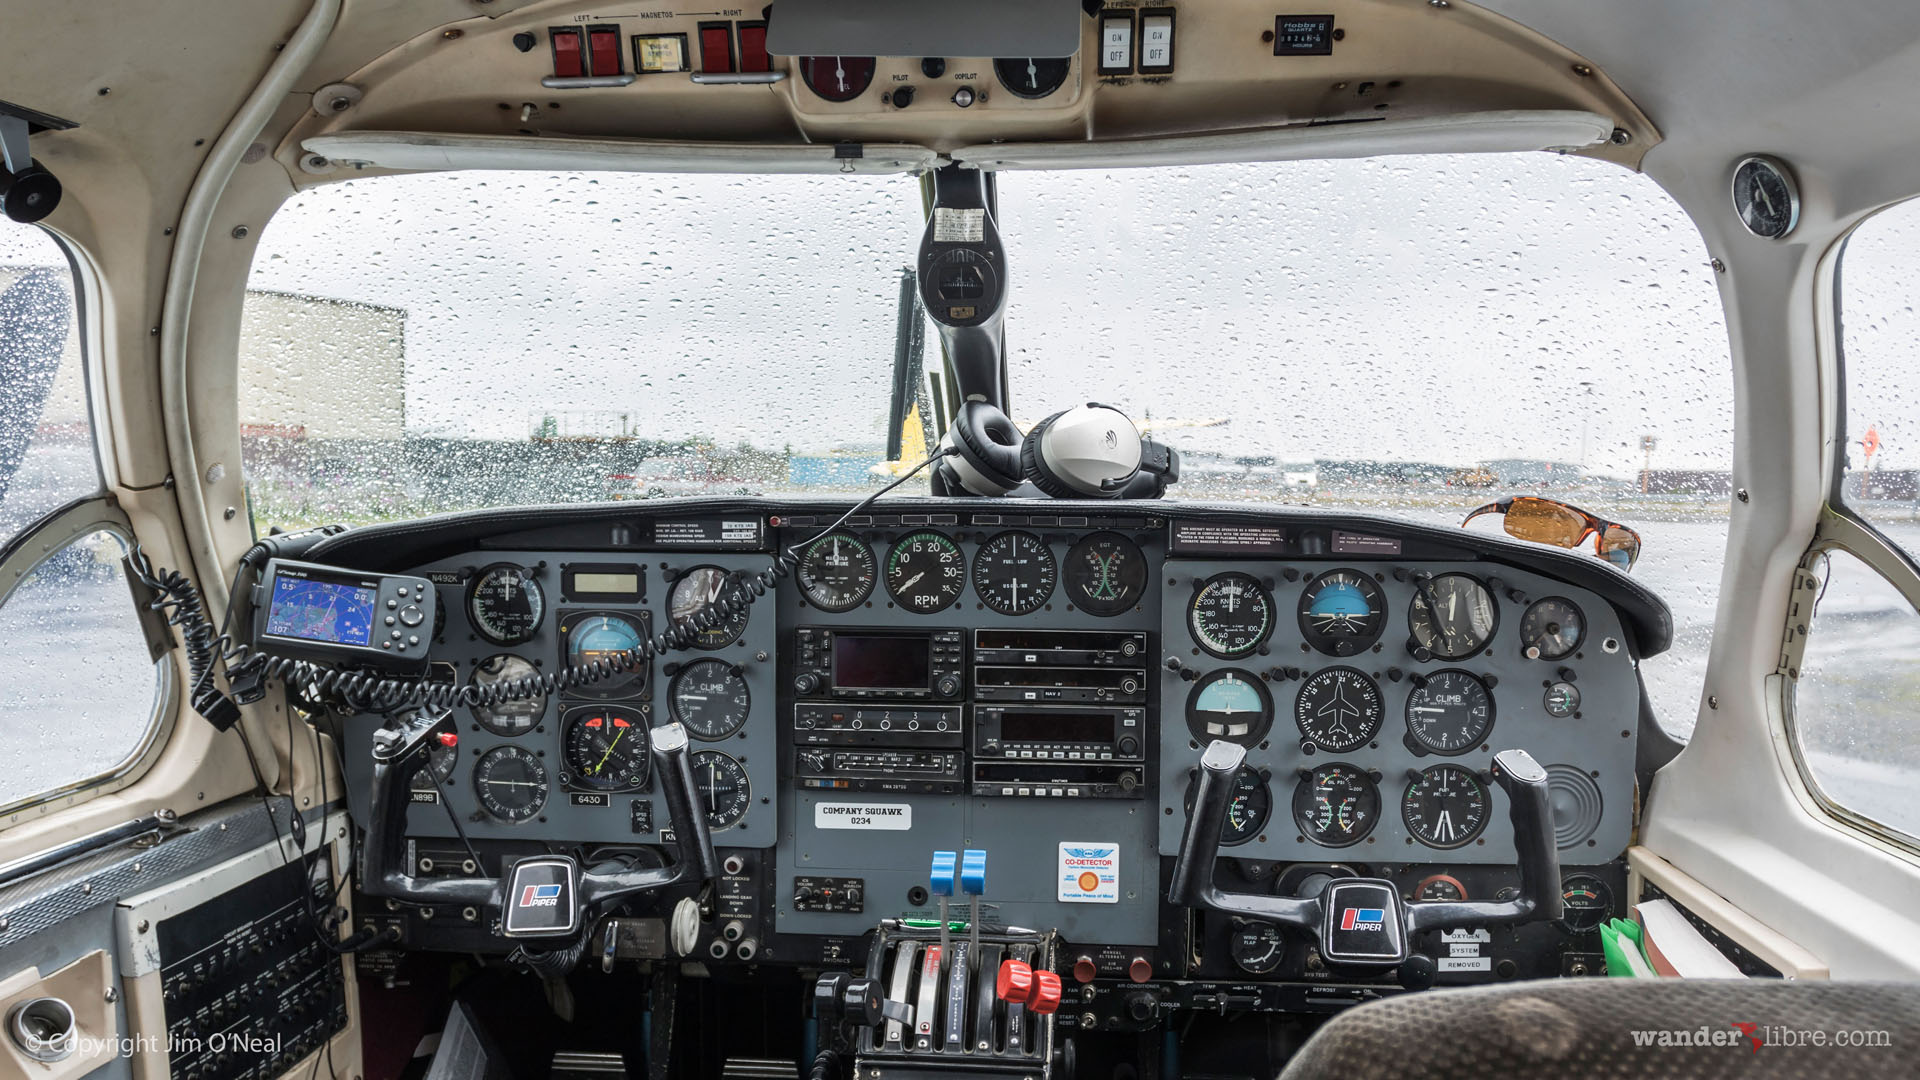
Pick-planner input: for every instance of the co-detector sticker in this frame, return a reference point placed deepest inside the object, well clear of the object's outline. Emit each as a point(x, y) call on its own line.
point(1089, 872)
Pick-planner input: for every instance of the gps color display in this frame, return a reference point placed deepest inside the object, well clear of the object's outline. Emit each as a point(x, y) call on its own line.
point(321, 611)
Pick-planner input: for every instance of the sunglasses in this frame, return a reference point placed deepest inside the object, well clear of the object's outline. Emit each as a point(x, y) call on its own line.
point(1544, 521)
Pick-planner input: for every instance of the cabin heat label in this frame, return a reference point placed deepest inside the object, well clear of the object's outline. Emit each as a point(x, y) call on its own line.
point(883, 817)
point(1089, 872)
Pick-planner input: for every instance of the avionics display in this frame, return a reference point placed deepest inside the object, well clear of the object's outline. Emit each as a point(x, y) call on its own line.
point(1048, 726)
point(310, 612)
point(316, 609)
point(866, 663)
point(881, 661)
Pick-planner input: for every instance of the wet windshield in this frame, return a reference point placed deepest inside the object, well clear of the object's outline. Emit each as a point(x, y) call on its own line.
point(1413, 335)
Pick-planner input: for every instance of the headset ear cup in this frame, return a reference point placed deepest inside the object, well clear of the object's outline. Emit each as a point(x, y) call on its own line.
point(987, 446)
point(1035, 466)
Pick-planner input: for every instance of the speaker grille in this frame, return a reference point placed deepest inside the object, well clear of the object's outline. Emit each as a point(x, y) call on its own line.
point(1575, 799)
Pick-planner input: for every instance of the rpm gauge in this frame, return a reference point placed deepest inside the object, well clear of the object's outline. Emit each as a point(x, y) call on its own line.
point(1230, 615)
point(1552, 629)
point(721, 788)
point(1014, 572)
point(926, 572)
point(507, 718)
point(698, 588)
point(1247, 813)
point(1339, 709)
point(1445, 806)
point(1336, 804)
point(505, 604)
point(1229, 704)
point(1452, 616)
point(1449, 712)
point(711, 698)
point(511, 783)
point(1342, 612)
point(1033, 76)
point(1105, 574)
point(837, 78)
point(837, 572)
point(606, 748)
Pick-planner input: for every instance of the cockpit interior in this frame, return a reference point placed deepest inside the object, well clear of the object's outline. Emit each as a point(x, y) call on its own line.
point(841, 539)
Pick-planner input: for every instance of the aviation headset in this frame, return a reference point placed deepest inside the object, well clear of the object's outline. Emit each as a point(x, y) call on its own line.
point(1090, 451)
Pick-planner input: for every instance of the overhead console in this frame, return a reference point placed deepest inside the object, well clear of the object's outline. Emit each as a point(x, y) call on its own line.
point(1037, 682)
point(648, 71)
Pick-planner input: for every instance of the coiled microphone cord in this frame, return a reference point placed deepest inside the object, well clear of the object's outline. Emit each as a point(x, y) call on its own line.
point(178, 599)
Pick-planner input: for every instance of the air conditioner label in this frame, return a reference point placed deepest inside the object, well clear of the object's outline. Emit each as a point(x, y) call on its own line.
point(1089, 872)
point(883, 817)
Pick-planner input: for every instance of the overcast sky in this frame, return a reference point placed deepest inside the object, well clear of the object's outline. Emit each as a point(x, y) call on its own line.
point(1434, 308)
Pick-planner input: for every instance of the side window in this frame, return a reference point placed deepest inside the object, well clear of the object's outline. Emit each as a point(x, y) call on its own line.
point(64, 599)
point(1880, 350)
point(58, 731)
point(1855, 727)
point(46, 441)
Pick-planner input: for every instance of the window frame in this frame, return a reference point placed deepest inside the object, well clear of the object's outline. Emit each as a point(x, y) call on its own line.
point(39, 542)
point(1840, 528)
point(1837, 532)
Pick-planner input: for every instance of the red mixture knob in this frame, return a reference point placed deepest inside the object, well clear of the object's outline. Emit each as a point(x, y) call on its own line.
point(1015, 982)
point(1046, 993)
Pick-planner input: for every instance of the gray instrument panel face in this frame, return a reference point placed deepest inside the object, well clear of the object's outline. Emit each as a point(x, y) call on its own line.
point(810, 828)
point(1021, 835)
point(594, 817)
point(1596, 741)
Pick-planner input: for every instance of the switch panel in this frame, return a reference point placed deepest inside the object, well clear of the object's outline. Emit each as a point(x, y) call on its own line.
point(569, 52)
point(248, 989)
point(834, 895)
point(1116, 42)
point(1156, 41)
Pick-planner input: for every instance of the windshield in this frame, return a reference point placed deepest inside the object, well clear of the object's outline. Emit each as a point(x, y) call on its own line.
point(1411, 335)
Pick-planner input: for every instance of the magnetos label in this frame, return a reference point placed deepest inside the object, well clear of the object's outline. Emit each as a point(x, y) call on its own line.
point(1089, 872)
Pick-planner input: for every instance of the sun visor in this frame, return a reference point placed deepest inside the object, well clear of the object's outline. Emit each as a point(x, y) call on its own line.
point(417, 151)
point(1465, 133)
point(905, 28)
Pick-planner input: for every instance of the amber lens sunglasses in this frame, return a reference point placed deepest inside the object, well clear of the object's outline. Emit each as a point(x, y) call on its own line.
point(1544, 521)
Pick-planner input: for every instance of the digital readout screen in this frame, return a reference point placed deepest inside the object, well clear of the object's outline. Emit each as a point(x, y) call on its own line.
point(881, 662)
point(619, 584)
point(334, 612)
point(1048, 726)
